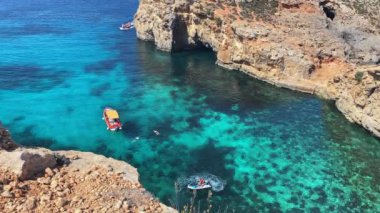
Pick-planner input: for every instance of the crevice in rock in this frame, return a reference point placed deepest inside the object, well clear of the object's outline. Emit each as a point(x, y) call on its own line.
point(371, 91)
point(151, 34)
point(6, 141)
point(311, 69)
point(181, 37)
point(180, 34)
point(61, 160)
point(290, 6)
point(328, 10)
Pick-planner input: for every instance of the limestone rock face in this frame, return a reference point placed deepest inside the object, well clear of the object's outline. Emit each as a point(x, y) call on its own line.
point(6, 142)
point(303, 45)
point(359, 99)
point(86, 160)
point(156, 28)
point(27, 163)
point(86, 182)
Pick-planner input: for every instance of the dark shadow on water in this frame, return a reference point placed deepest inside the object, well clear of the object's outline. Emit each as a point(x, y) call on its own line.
point(130, 129)
point(27, 138)
point(194, 122)
point(18, 118)
point(100, 89)
point(210, 159)
point(102, 67)
point(33, 29)
point(69, 110)
point(31, 77)
point(103, 149)
point(358, 149)
point(223, 88)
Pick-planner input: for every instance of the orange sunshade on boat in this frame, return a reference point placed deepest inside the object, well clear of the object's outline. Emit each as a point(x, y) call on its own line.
point(112, 114)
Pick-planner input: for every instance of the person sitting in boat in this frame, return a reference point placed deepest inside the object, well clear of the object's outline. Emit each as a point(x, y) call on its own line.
point(127, 25)
point(201, 182)
point(113, 121)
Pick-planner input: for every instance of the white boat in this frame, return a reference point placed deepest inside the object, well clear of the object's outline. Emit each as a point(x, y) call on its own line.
point(198, 187)
point(127, 26)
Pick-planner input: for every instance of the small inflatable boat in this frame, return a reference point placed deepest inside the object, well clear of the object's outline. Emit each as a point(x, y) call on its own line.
point(201, 184)
point(197, 187)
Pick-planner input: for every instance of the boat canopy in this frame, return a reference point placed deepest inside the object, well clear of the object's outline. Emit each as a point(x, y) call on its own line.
point(112, 114)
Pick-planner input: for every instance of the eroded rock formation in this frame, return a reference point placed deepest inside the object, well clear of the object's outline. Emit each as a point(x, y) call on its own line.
point(27, 163)
point(330, 48)
point(40, 180)
point(6, 142)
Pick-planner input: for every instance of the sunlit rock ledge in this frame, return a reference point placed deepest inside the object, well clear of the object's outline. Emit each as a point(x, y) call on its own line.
point(41, 180)
point(327, 48)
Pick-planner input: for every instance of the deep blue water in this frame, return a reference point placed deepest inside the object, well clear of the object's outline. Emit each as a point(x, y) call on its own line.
point(62, 62)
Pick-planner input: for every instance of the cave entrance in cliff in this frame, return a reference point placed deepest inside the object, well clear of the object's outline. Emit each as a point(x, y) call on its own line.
point(182, 40)
point(328, 10)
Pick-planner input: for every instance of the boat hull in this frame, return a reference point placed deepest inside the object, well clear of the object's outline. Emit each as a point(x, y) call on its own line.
point(197, 187)
point(127, 26)
point(112, 123)
point(122, 28)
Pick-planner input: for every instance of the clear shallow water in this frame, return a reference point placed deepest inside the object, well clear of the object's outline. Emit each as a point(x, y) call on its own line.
point(62, 62)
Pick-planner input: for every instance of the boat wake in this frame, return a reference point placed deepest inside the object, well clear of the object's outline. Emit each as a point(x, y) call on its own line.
point(217, 184)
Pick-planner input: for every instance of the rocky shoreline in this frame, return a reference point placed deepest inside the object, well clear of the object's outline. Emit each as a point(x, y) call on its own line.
point(330, 48)
point(41, 180)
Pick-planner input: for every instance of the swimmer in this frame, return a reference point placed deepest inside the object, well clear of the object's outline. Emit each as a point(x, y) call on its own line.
point(156, 132)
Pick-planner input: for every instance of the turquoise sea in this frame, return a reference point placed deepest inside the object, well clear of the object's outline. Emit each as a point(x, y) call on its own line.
point(62, 62)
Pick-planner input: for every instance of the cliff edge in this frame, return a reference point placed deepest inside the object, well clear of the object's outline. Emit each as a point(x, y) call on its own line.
point(41, 180)
point(330, 48)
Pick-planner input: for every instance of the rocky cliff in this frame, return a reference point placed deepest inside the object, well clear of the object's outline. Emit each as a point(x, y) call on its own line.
point(40, 180)
point(330, 48)
point(6, 142)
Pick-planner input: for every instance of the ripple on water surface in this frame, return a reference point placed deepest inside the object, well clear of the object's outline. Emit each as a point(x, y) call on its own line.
point(276, 149)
